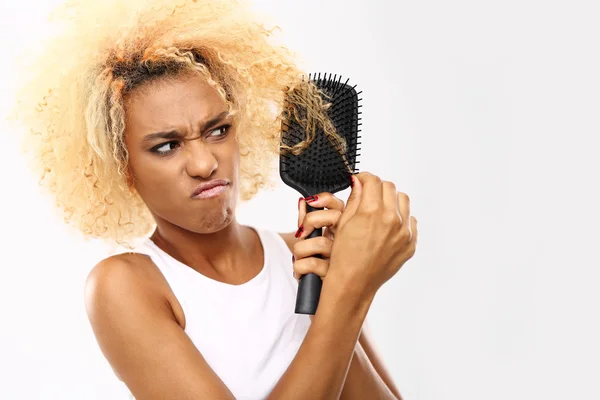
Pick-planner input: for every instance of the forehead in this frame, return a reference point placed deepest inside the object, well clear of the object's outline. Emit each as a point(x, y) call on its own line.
point(171, 103)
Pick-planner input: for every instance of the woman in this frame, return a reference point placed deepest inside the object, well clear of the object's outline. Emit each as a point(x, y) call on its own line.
point(148, 121)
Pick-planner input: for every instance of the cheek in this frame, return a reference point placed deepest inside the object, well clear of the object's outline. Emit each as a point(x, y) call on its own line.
point(153, 177)
point(231, 160)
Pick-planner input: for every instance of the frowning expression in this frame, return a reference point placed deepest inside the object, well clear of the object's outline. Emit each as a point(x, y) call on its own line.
point(183, 154)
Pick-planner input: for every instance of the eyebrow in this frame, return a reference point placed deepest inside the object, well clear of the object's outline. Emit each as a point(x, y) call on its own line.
point(173, 134)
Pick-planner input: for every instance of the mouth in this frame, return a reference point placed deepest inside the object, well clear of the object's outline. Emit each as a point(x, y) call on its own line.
point(210, 189)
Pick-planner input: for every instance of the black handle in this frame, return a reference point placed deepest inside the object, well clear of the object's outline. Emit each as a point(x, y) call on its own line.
point(309, 287)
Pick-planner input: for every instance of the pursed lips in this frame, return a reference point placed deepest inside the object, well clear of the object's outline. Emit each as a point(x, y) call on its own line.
point(209, 189)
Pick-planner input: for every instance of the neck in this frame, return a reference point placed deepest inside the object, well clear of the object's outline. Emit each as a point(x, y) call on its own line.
point(224, 252)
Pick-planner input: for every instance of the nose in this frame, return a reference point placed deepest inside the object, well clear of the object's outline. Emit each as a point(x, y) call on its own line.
point(201, 161)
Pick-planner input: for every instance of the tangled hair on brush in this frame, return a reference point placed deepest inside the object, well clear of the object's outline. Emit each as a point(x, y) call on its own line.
point(71, 101)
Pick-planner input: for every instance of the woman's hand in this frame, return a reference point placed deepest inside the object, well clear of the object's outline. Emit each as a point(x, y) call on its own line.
point(375, 236)
point(305, 250)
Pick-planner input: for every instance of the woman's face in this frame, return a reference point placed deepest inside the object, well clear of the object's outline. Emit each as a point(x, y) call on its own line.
point(179, 135)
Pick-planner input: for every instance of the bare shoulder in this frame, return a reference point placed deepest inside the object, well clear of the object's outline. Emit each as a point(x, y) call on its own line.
point(289, 239)
point(121, 271)
point(127, 275)
point(140, 334)
point(129, 266)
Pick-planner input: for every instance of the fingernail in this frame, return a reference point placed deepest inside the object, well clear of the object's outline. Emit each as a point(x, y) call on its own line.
point(351, 181)
point(299, 232)
point(310, 199)
point(293, 258)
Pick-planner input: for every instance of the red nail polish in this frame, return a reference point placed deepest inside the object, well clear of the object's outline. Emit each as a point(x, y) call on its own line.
point(299, 232)
point(351, 181)
point(310, 199)
point(293, 258)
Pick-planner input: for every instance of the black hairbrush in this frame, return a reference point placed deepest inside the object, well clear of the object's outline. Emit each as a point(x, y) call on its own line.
point(325, 165)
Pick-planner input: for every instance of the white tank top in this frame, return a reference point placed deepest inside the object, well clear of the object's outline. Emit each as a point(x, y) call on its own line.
point(248, 333)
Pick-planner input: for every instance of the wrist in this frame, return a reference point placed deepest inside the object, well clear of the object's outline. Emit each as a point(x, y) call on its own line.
point(341, 296)
point(343, 284)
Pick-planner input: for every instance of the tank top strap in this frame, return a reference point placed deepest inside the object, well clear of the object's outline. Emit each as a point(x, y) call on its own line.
point(277, 247)
point(168, 269)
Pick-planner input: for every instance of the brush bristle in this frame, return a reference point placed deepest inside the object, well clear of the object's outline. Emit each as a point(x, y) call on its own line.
point(325, 165)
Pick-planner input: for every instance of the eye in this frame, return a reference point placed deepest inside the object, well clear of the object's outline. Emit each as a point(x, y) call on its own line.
point(165, 148)
point(220, 132)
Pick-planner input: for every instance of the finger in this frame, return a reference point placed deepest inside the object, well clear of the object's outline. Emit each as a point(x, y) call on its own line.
point(404, 206)
point(325, 200)
point(372, 191)
point(353, 199)
point(318, 219)
point(413, 238)
point(311, 247)
point(414, 231)
point(390, 197)
point(301, 210)
point(313, 265)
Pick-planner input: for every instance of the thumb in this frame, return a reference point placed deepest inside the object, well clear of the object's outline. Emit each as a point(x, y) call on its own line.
point(354, 198)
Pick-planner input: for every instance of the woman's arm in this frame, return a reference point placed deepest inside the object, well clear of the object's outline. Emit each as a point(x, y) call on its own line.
point(330, 359)
point(140, 336)
point(367, 371)
point(146, 346)
point(319, 369)
point(367, 375)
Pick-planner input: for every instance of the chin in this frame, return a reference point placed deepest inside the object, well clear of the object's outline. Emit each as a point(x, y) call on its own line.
point(213, 220)
point(200, 216)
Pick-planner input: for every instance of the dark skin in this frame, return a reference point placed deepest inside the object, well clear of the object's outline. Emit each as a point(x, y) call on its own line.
point(150, 351)
point(201, 233)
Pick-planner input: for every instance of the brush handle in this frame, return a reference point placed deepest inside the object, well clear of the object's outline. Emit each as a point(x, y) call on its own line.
point(309, 287)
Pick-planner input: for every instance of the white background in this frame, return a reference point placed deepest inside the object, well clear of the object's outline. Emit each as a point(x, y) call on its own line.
point(484, 112)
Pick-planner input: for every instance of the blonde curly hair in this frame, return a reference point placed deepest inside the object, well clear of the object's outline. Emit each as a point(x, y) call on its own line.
point(71, 101)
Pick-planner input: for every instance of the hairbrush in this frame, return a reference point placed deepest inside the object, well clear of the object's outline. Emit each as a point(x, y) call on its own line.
point(326, 164)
